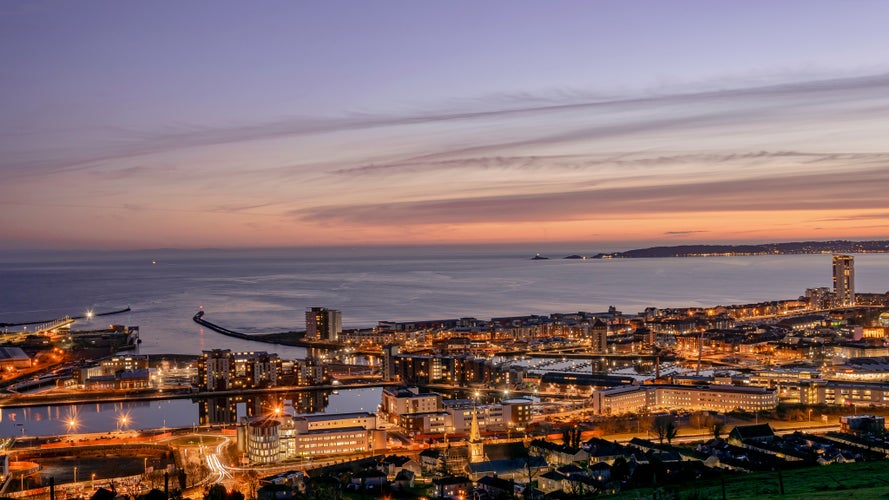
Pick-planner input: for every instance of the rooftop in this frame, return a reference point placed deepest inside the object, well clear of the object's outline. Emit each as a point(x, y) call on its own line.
point(321, 417)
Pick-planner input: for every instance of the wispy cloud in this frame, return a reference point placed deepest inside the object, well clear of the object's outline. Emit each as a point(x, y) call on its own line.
point(863, 190)
point(687, 111)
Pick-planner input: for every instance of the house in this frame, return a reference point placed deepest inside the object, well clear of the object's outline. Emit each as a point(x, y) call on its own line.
point(274, 492)
point(430, 460)
point(667, 452)
point(601, 450)
point(567, 470)
point(558, 454)
point(747, 433)
point(370, 479)
point(600, 472)
point(550, 481)
point(451, 487)
point(393, 464)
point(403, 480)
point(289, 478)
point(579, 484)
point(496, 487)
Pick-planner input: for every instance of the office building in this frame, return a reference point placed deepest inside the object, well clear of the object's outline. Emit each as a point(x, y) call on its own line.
point(722, 398)
point(844, 280)
point(271, 439)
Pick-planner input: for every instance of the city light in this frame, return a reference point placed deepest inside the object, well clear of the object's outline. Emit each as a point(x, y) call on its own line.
point(122, 421)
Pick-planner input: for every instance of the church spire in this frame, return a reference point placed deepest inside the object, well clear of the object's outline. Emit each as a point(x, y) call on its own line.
point(474, 434)
point(476, 447)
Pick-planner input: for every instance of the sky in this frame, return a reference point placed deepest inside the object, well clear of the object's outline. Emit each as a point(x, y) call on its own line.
point(167, 124)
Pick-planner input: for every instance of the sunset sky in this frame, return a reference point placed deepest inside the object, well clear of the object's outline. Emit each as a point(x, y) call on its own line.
point(242, 124)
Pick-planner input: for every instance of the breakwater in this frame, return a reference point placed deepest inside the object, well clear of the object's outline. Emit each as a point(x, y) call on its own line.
point(82, 316)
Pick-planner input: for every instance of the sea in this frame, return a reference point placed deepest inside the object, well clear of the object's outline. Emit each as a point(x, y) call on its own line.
point(266, 291)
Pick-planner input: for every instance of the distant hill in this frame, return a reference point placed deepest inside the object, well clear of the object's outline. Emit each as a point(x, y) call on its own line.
point(792, 248)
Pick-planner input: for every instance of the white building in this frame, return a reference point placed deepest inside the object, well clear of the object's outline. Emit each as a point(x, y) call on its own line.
point(721, 398)
point(271, 439)
point(399, 401)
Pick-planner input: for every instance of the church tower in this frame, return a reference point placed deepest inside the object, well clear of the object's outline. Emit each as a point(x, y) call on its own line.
point(476, 446)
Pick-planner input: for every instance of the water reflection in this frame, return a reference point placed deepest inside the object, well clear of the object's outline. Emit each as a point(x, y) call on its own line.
point(102, 417)
point(55, 420)
point(229, 410)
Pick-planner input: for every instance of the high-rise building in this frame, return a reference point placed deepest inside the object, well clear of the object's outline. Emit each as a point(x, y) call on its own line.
point(388, 361)
point(844, 280)
point(819, 298)
point(323, 324)
point(599, 337)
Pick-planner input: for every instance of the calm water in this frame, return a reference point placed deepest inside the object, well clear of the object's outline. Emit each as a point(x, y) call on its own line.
point(52, 420)
point(269, 293)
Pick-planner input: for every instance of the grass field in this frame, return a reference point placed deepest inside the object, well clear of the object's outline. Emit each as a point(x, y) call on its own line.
point(863, 480)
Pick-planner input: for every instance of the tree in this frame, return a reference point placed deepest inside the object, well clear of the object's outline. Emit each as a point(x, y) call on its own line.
point(251, 478)
point(698, 418)
point(620, 469)
point(571, 436)
point(672, 431)
point(218, 492)
point(717, 429)
point(664, 427)
point(532, 458)
point(323, 488)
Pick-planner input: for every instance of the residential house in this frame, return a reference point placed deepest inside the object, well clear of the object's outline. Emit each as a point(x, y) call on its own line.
point(496, 487)
point(451, 487)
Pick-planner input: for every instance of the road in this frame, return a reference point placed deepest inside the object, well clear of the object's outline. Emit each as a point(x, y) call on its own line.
point(216, 467)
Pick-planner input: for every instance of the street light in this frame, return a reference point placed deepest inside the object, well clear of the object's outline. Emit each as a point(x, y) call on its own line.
point(93, 481)
point(75, 474)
